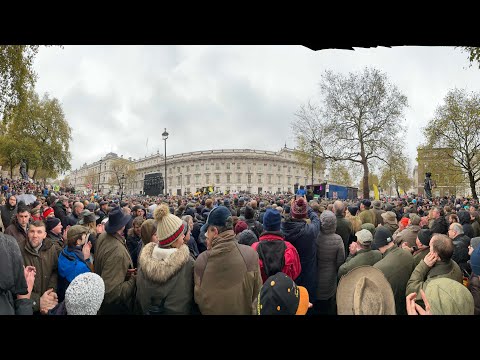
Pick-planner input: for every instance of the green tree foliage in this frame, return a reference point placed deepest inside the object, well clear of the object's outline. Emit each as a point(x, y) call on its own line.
point(360, 118)
point(473, 54)
point(16, 74)
point(339, 174)
point(42, 123)
point(395, 172)
point(453, 133)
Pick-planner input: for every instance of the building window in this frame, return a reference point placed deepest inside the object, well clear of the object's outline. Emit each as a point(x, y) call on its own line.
point(269, 179)
point(228, 166)
point(188, 168)
point(279, 181)
point(188, 179)
point(259, 179)
point(178, 180)
point(197, 167)
point(207, 178)
point(217, 166)
point(238, 166)
point(197, 179)
point(289, 169)
point(217, 179)
point(278, 168)
point(249, 178)
point(228, 178)
point(239, 178)
point(178, 169)
point(289, 181)
point(207, 167)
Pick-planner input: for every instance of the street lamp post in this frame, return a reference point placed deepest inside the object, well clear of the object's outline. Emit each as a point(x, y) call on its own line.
point(326, 185)
point(122, 184)
point(313, 161)
point(165, 137)
point(99, 172)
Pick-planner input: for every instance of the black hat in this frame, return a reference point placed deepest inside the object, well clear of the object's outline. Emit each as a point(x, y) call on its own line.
point(352, 210)
point(103, 202)
point(91, 206)
point(366, 202)
point(425, 235)
point(249, 212)
point(116, 220)
point(382, 237)
point(280, 295)
point(51, 222)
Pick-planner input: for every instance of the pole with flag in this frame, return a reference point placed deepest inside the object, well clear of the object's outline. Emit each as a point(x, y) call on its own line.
point(375, 192)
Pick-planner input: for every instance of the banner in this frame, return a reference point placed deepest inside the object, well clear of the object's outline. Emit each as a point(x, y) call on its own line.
point(375, 192)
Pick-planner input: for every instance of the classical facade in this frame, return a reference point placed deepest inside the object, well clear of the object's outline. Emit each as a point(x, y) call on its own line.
point(254, 171)
point(448, 178)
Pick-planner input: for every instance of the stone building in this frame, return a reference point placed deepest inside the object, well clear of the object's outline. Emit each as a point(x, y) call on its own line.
point(254, 171)
point(448, 178)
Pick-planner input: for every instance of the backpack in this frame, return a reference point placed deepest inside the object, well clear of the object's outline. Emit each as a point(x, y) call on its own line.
point(272, 254)
point(254, 229)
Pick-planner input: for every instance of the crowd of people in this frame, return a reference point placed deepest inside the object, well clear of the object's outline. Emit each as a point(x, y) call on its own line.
point(237, 254)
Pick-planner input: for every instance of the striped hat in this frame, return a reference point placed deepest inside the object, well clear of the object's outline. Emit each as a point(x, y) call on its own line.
point(169, 227)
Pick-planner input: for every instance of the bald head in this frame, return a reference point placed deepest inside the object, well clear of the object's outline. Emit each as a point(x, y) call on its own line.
point(339, 208)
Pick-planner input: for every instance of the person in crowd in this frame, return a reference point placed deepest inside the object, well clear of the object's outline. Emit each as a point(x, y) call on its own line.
point(165, 276)
point(409, 234)
point(344, 227)
point(443, 296)
point(301, 229)
point(437, 263)
point(134, 239)
point(397, 265)
point(39, 252)
point(54, 233)
point(227, 275)
point(191, 242)
point(74, 259)
point(275, 254)
point(360, 253)
point(114, 264)
point(367, 215)
point(280, 295)
point(16, 280)
point(84, 296)
point(19, 226)
point(365, 291)
point(460, 242)
point(390, 221)
point(330, 255)
point(474, 279)
point(422, 246)
point(8, 211)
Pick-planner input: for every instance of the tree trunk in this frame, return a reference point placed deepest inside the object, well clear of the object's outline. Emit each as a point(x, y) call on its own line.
point(396, 189)
point(11, 172)
point(34, 174)
point(366, 190)
point(472, 184)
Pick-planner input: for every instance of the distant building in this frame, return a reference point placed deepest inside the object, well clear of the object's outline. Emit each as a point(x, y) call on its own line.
point(234, 170)
point(448, 178)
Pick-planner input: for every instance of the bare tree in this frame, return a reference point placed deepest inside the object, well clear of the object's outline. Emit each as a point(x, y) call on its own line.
point(453, 133)
point(361, 118)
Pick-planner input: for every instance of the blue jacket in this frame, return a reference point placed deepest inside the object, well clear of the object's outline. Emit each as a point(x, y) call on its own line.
point(70, 264)
point(303, 235)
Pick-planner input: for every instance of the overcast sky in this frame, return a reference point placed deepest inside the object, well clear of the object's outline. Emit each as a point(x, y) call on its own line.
point(214, 97)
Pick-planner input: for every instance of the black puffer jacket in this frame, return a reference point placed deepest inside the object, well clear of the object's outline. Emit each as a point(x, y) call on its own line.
point(440, 226)
point(464, 218)
point(7, 212)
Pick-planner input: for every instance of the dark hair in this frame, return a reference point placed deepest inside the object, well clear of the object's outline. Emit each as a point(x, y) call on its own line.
point(443, 246)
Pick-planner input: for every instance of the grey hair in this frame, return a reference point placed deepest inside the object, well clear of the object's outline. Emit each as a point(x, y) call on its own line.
point(457, 228)
point(338, 207)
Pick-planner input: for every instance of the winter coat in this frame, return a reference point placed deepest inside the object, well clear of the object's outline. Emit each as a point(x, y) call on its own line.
point(420, 254)
point(57, 241)
point(367, 216)
point(360, 258)
point(132, 246)
point(227, 278)
point(423, 274)
point(378, 216)
point(464, 218)
point(112, 260)
point(474, 287)
point(164, 281)
point(71, 263)
point(61, 213)
point(46, 265)
point(72, 219)
point(7, 214)
point(12, 279)
point(408, 235)
point(292, 266)
point(330, 255)
point(255, 226)
point(15, 230)
point(344, 229)
point(460, 251)
point(397, 266)
point(303, 236)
